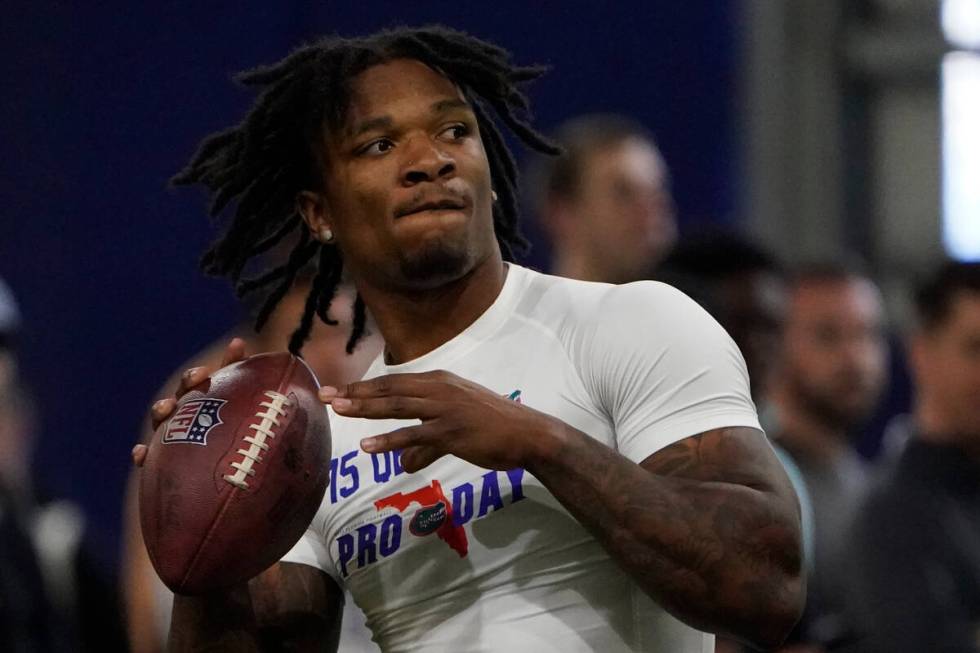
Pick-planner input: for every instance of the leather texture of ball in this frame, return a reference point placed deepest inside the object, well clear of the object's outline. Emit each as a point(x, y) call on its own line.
point(234, 477)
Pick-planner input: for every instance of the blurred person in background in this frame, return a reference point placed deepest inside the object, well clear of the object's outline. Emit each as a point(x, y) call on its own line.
point(605, 203)
point(915, 545)
point(17, 426)
point(34, 616)
point(148, 602)
point(744, 287)
point(833, 372)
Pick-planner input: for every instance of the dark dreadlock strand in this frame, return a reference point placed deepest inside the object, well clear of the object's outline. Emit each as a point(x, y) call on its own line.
point(360, 320)
point(331, 270)
point(297, 259)
point(289, 225)
point(502, 166)
point(261, 165)
point(249, 286)
point(323, 290)
point(207, 151)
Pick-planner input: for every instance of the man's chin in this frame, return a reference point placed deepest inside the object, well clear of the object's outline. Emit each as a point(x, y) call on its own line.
point(840, 414)
point(435, 264)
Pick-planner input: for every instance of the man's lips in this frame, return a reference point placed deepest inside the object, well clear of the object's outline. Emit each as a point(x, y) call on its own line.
point(447, 204)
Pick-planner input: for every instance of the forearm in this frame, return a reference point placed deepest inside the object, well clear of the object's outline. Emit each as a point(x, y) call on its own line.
point(721, 556)
point(222, 621)
point(288, 607)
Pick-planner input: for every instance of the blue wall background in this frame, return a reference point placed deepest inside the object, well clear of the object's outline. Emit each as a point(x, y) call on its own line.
point(101, 104)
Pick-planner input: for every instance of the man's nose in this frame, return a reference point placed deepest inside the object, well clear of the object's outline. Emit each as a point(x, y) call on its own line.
point(426, 161)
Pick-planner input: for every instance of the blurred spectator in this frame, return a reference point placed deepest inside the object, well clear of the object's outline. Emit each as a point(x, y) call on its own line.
point(148, 602)
point(30, 621)
point(833, 372)
point(605, 204)
point(743, 287)
point(9, 319)
point(16, 411)
point(915, 547)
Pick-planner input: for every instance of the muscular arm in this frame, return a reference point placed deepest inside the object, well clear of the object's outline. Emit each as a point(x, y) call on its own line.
point(708, 527)
point(289, 607)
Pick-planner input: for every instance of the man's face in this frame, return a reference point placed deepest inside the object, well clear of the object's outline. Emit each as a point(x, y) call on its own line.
point(752, 308)
point(623, 213)
point(835, 352)
point(407, 183)
point(947, 367)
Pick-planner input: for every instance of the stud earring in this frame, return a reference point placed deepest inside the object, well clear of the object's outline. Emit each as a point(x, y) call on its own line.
point(325, 235)
point(493, 194)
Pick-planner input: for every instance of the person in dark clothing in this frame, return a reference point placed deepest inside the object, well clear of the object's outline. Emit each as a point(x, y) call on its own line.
point(28, 620)
point(915, 546)
point(24, 609)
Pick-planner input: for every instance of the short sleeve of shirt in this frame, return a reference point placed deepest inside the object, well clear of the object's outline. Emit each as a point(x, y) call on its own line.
point(310, 550)
point(663, 369)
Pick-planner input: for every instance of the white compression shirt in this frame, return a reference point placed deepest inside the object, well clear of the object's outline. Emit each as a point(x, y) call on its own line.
point(459, 558)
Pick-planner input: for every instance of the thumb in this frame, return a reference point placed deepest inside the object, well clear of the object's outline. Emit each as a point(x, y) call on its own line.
point(139, 454)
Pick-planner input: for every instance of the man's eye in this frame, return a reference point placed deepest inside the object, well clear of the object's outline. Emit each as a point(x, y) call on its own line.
point(379, 146)
point(456, 132)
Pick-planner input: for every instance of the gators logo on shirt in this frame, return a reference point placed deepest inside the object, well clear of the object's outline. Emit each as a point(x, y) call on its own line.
point(428, 519)
point(435, 515)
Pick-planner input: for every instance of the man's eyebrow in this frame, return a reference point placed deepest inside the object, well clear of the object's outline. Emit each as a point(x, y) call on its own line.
point(386, 122)
point(444, 106)
point(381, 122)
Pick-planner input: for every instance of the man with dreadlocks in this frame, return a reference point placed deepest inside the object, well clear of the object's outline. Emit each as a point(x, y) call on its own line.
point(533, 463)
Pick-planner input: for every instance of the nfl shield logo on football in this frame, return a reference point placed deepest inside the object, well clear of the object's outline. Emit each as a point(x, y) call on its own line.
point(193, 421)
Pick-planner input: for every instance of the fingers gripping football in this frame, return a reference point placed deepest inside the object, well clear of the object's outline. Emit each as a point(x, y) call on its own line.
point(163, 409)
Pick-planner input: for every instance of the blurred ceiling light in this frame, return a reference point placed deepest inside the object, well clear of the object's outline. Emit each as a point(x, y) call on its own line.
point(961, 23)
point(961, 154)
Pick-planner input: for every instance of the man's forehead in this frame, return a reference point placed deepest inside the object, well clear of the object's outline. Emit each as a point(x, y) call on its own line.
point(386, 88)
point(850, 301)
point(632, 156)
point(966, 303)
point(357, 126)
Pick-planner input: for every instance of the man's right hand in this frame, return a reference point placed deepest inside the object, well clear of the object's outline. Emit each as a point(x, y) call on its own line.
point(162, 409)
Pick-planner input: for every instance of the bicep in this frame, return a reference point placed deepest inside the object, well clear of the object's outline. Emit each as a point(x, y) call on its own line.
point(735, 455)
point(734, 480)
point(664, 369)
point(298, 604)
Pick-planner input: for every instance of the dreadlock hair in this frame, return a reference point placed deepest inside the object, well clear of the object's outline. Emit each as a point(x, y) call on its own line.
point(262, 164)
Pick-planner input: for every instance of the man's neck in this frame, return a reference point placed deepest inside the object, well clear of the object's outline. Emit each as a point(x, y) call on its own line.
point(807, 436)
point(933, 428)
point(414, 323)
point(577, 265)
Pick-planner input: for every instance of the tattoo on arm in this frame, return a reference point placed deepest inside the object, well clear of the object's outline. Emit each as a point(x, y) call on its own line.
point(709, 526)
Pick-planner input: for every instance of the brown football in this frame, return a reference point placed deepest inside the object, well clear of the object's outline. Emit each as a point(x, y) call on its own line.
point(234, 477)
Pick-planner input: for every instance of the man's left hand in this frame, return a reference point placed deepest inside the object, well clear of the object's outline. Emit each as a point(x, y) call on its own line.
point(458, 417)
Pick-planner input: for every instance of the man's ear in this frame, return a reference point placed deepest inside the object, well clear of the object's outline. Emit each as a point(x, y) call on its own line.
point(313, 207)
